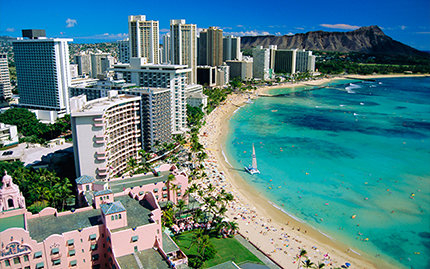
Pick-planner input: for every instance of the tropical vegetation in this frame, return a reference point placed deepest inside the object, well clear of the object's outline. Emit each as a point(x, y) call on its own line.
point(204, 250)
point(41, 188)
point(31, 129)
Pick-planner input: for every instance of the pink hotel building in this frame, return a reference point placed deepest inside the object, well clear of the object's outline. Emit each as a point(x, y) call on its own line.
point(119, 226)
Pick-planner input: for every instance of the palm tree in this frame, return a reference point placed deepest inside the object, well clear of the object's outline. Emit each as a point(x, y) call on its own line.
point(181, 206)
point(233, 227)
point(308, 264)
point(131, 165)
point(303, 252)
point(210, 188)
point(320, 265)
point(170, 178)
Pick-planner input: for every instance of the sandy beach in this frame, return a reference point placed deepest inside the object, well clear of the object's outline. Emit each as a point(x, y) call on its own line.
point(277, 234)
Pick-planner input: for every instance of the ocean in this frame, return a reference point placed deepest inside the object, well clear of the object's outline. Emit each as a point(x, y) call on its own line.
point(351, 159)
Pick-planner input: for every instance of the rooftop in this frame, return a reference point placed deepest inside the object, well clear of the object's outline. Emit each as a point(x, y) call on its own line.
point(138, 212)
point(103, 192)
point(84, 179)
point(149, 258)
point(112, 208)
point(42, 227)
point(102, 104)
point(12, 222)
point(168, 245)
point(140, 180)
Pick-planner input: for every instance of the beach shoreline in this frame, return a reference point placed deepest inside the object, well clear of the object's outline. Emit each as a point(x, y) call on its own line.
point(278, 234)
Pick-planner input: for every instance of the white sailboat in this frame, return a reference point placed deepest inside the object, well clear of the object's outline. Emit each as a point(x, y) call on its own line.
point(252, 169)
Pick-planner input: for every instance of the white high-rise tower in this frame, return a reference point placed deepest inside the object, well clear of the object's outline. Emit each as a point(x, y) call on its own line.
point(43, 72)
point(144, 38)
point(183, 46)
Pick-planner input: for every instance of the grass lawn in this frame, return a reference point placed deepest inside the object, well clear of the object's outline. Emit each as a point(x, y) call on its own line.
point(228, 249)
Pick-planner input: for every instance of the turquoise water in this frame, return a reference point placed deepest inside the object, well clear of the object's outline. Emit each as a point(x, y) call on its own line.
point(354, 148)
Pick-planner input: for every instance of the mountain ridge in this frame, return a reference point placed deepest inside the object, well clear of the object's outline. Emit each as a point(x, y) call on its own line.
point(367, 39)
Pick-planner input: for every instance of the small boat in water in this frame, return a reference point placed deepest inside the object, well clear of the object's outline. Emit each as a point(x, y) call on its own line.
point(252, 169)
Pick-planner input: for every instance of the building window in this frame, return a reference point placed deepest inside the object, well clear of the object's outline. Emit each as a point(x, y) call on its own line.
point(7, 262)
point(135, 249)
point(26, 258)
point(56, 262)
point(112, 217)
point(95, 257)
point(119, 216)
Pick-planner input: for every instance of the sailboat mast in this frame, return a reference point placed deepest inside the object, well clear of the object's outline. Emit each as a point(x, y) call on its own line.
point(254, 158)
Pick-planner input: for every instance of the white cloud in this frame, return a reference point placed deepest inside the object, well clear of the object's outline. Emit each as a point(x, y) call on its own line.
point(403, 27)
point(423, 33)
point(239, 25)
point(227, 28)
point(11, 29)
point(164, 30)
point(105, 36)
point(71, 23)
point(290, 33)
point(248, 33)
point(300, 28)
point(340, 26)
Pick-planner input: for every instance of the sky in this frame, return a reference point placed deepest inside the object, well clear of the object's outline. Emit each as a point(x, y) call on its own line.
point(100, 21)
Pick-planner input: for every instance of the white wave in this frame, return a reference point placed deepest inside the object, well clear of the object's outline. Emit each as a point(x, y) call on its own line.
point(283, 211)
point(354, 251)
point(361, 103)
point(225, 158)
point(326, 235)
point(349, 89)
point(342, 105)
point(236, 110)
point(355, 114)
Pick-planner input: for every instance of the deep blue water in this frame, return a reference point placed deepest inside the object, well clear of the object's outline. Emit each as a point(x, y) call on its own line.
point(353, 148)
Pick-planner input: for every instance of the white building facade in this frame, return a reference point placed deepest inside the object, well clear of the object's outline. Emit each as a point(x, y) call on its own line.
point(173, 77)
point(183, 50)
point(106, 134)
point(43, 73)
point(231, 48)
point(144, 38)
point(261, 66)
point(5, 86)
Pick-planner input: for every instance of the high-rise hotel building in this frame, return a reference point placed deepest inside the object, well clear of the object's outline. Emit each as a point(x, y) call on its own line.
point(5, 87)
point(106, 134)
point(144, 39)
point(43, 71)
point(231, 48)
point(211, 47)
point(173, 77)
point(124, 50)
point(183, 50)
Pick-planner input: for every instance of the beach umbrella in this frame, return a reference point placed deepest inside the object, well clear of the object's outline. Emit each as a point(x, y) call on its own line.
point(347, 264)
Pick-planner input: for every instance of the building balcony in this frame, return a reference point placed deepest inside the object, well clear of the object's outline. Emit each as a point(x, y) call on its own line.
point(101, 153)
point(100, 141)
point(99, 136)
point(98, 119)
point(101, 158)
point(98, 124)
